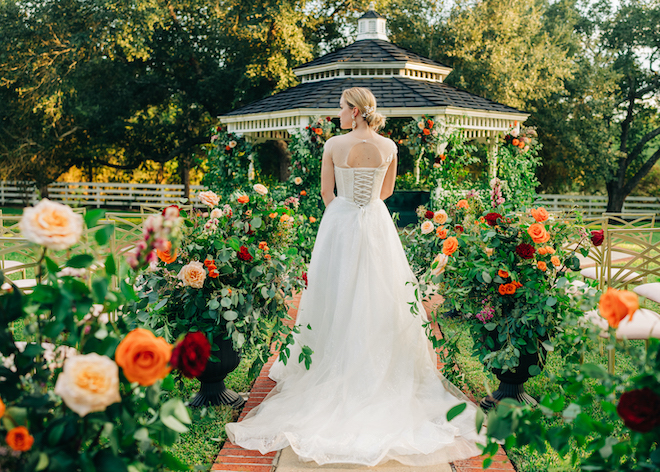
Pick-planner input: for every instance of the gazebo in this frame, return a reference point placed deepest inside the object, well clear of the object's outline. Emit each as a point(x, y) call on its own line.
point(404, 83)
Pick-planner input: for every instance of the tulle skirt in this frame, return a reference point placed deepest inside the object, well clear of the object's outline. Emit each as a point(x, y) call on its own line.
point(373, 392)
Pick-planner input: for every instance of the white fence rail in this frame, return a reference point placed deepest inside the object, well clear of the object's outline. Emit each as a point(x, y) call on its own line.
point(596, 205)
point(93, 194)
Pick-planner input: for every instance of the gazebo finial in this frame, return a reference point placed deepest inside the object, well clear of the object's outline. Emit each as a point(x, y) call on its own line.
point(371, 25)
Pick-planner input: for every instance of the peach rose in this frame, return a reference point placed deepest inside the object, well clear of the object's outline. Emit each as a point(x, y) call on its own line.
point(19, 439)
point(555, 261)
point(284, 218)
point(542, 266)
point(427, 227)
point(297, 180)
point(217, 213)
point(440, 217)
point(88, 383)
point(550, 250)
point(489, 251)
point(441, 261)
point(260, 189)
point(538, 233)
point(143, 357)
point(272, 215)
point(51, 225)
point(463, 204)
point(210, 199)
point(441, 232)
point(540, 214)
point(449, 246)
point(542, 250)
point(615, 305)
point(193, 274)
point(243, 199)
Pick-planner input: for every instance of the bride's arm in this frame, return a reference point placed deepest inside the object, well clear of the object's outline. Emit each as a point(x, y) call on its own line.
point(327, 175)
point(390, 178)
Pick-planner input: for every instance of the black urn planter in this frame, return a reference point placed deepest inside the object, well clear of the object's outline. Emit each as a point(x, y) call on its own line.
point(512, 384)
point(213, 390)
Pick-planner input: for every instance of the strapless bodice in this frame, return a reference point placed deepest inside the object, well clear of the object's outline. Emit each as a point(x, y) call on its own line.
point(361, 185)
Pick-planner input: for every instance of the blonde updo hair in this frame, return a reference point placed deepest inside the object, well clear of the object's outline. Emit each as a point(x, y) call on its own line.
point(362, 99)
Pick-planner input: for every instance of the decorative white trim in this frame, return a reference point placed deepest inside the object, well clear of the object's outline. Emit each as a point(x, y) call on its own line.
point(411, 70)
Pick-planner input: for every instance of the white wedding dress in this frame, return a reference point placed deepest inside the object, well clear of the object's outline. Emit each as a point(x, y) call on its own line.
point(373, 392)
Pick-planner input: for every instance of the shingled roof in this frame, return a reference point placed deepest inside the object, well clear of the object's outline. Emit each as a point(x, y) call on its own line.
point(370, 50)
point(391, 92)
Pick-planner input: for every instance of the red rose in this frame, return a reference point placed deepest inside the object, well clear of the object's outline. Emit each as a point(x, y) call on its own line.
point(244, 254)
point(328, 118)
point(459, 229)
point(597, 237)
point(491, 218)
point(640, 409)
point(171, 206)
point(428, 215)
point(191, 354)
point(304, 277)
point(526, 251)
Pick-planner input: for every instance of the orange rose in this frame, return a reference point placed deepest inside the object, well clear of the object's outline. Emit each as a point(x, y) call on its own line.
point(143, 357)
point(19, 439)
point(2, 408)
point(542, 250)
point(462, 204)
point(542, 265)
point(318, 131)
point(243, 199)
point(550, 250)
point(303, 193)
point(503, 273)
point(272, 215)
point(540, 214)
point(507, 289)
point(615, 305)
point(430, 123)
point(538, 233)
point(515, 142)
point(263, 245)
point(555, 261)
point(267, 257)
point(449, 246)
point(426, 131)
point(312, 219)
point(441, 232)
point(516, 284)
point(167, 256)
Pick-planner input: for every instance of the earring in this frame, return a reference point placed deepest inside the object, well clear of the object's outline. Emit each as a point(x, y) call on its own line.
point(354, 124)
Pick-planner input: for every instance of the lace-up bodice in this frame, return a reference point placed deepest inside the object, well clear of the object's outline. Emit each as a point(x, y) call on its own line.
point(361, 185)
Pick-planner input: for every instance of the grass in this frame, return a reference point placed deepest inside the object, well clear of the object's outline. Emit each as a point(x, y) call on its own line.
point(201, 444)
point(478, 381)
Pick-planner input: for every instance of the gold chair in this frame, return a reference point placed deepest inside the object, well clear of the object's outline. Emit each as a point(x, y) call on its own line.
point(149, 209)
point(24, 256)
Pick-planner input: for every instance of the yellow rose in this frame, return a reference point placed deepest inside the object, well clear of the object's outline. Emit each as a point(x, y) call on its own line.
point(210, 199)
point(88, 383)
point(439, 217)
point(193, 274)
point(52, 225)
point(260, 189)
point(427, 227)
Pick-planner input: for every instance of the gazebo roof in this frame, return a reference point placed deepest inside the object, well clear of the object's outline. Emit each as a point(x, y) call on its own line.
point(389, 92)
point(370, 50)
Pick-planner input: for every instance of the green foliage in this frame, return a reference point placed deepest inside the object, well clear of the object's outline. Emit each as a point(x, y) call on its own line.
point(131, 432)
point(517, 160)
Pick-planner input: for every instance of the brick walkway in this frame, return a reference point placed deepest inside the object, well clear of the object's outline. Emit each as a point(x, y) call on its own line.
point(233, 458)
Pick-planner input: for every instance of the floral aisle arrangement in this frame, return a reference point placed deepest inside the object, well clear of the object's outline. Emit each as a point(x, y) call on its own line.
point(625, 436)
point(79, 393)
point(507, 277)
point(231, 163)
point(516, 159)
point(230, 278)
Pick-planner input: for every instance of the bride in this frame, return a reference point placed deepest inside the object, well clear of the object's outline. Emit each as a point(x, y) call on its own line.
point(373, 392)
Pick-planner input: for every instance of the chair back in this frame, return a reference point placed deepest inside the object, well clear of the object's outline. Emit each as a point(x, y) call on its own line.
point(149, 209)
point(630, 220)
point(128, 229)
point(632, 255)
point(596, 256)
point(24, 255)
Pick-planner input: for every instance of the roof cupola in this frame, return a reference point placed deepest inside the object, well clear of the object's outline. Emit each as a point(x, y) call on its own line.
point(371, 25)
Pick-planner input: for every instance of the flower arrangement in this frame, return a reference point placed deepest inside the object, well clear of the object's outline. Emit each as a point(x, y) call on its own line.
point(230, 278)
point(505, 278)
point(625, 436)
point(516, 161)
point(81, 393)
point(231, 163)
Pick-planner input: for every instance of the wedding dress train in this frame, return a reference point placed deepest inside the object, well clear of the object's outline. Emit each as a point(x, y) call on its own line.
point(373, 392)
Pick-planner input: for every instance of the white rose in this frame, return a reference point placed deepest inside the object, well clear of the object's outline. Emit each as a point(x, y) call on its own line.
point(442, 260)
point(427, 227)
point(440, 217)
point(216, 213)
point(88, 383)
point(297, 180)
point(193, 274)
point(209, 198)
point(260, 189)
point(232, 144)
point(52, 225)
point(421, 125)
